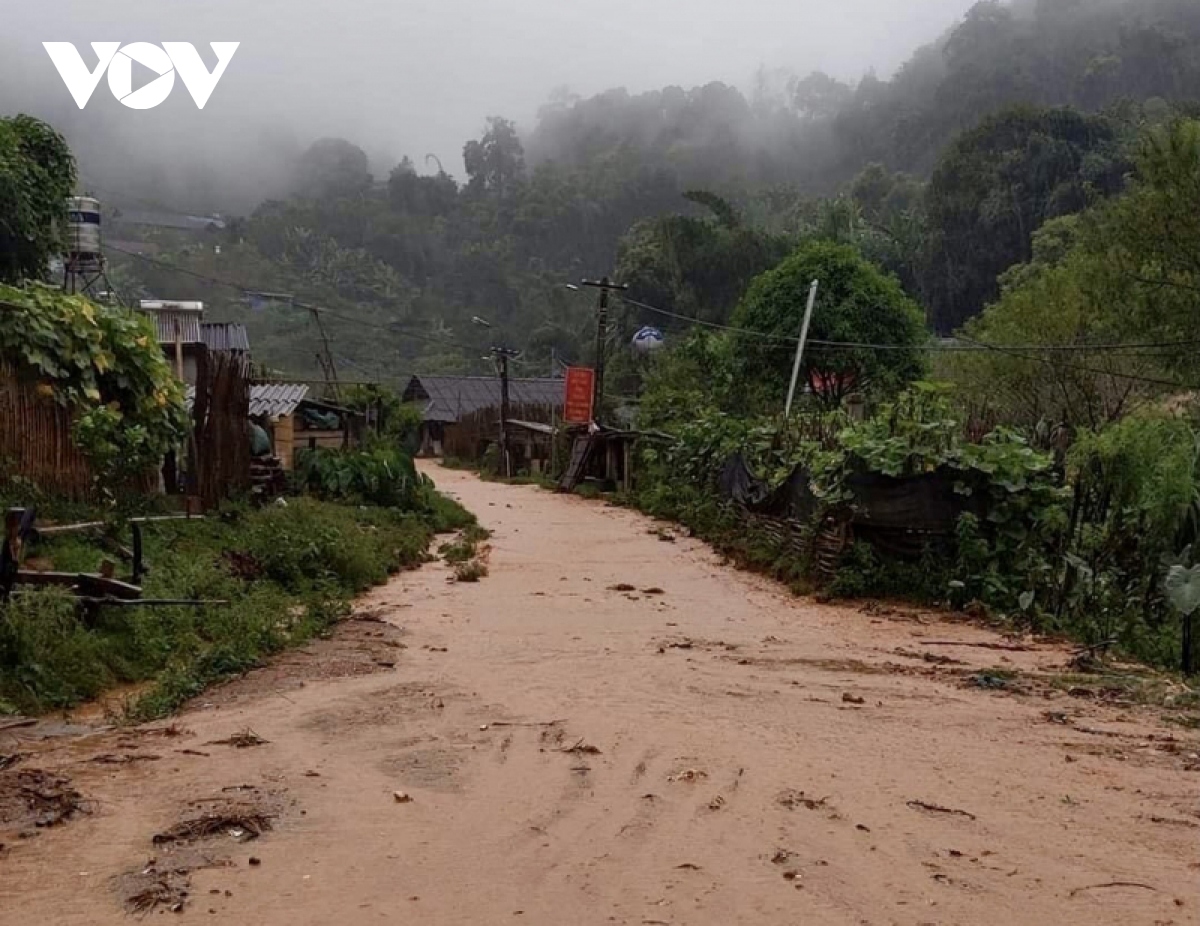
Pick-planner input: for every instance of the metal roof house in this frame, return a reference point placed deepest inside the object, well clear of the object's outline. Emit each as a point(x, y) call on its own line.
point(447, 400)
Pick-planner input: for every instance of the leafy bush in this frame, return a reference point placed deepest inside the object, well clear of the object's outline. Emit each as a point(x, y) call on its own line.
point(384, 476)
point(105, 365)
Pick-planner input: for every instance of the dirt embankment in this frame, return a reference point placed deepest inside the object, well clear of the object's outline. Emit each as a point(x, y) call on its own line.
point(612, 728)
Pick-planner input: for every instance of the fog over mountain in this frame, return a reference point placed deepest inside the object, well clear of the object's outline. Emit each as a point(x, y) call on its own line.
point(411, 79)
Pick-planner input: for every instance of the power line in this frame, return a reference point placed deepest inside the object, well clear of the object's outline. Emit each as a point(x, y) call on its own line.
point(393, 329)
point(972, 347)
point(1059, 365)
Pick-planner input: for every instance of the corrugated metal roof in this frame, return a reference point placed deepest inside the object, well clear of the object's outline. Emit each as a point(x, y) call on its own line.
point(225, 336)
point(184, 326)
point(448, 398)
point(276, 400)
point(180, 320)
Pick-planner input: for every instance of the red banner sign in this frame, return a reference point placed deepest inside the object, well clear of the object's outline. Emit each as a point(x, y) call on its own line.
point(577, 405)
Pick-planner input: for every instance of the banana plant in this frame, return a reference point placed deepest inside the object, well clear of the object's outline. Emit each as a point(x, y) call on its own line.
point(1183, 591)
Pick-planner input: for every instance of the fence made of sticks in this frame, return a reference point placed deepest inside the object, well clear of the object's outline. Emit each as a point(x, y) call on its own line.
point(221, 427)
point(36, 442)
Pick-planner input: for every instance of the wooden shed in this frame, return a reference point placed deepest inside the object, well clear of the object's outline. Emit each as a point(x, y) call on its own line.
point(273, 406)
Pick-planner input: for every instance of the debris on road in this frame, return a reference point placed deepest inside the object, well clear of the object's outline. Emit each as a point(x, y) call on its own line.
point(8, 761)
point(1110, 884)
point(582, 748)
point(38, 798)
point(1002, 647)
point(848, 698)
point(243, 826)
point(937, 808)
point(792, 799)
point(127, 759)
point(244, 740)
point(402, 797)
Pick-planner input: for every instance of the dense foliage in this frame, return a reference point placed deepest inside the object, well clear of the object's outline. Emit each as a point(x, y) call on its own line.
point(381, 475)
point(102, 363)
point(1082, 548)
point(37, 174)
point(1124, 273)
point(995, 185)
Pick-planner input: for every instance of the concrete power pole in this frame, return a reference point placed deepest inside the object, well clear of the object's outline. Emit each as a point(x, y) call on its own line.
point(801, 344)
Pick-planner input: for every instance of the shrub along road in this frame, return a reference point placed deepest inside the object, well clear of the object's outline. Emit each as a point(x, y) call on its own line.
point(613, 727)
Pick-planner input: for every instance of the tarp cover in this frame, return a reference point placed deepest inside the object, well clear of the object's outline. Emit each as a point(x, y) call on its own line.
point(792, 499)
point(926, 503)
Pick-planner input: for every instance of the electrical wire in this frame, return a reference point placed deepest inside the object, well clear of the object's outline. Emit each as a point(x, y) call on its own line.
point(393, 329)
point(1136, 349)
point(1059, 365)
point(971, 347)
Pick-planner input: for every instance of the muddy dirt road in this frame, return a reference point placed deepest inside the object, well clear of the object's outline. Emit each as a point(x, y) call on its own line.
point(573, 753)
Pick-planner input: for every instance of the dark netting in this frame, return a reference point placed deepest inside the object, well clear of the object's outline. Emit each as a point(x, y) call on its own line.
point(792, 499)
point(739, 485)
point(925, 503)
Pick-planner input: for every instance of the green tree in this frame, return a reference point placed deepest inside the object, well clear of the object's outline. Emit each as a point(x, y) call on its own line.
point(37, 175)
point(1152, 235)
point(497, 160)
point(333, 168)
point(858, 304)
point(996, 185)
point(698, 267)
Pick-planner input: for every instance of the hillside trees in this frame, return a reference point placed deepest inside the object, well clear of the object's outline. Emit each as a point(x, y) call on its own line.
point(996, 185)
point(1124, 273)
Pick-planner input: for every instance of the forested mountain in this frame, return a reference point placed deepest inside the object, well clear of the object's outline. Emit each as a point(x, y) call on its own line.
point(933, 174)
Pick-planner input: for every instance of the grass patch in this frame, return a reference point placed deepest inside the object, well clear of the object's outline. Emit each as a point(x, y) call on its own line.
point(471, 571)
point(465, 546)
point(288, 571)
point(463, 554)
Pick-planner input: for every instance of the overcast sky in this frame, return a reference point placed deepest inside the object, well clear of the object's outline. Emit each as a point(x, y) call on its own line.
point(416, 76)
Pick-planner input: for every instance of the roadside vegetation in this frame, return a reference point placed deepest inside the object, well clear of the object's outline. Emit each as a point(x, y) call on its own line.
point(1076, 468)
point(284, 573)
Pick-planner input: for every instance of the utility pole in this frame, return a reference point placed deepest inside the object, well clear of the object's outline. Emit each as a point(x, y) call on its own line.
point(325, 358)
point(601, 337)
point(503, 355)
point(812, 301)
point(330, 370)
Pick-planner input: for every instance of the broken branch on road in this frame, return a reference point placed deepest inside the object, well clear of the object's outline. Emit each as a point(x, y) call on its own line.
point(937, 808)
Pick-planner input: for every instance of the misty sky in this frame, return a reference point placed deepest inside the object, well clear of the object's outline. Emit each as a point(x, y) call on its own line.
point(416, 76)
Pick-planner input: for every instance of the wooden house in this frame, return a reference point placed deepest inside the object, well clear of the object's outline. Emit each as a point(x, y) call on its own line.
point(448, 403)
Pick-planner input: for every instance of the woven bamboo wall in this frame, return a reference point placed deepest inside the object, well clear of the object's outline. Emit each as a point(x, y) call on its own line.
point(35, 440)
